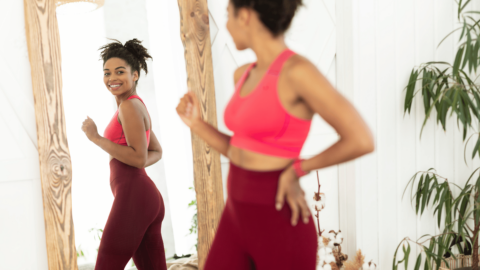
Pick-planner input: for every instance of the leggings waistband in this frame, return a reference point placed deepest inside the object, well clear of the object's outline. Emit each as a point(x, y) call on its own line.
point(248, 186)
point(119, 169)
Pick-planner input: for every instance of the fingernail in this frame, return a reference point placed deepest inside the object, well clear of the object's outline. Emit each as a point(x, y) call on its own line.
point(278, 206)
point(305, 220)
point(294, 224)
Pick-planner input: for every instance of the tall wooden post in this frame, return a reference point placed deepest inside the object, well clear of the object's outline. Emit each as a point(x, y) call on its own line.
point(195, 34)
point(55, 166)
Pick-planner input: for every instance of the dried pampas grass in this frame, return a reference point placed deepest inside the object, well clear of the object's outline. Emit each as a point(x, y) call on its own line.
point(334, 266)
point(356, 263)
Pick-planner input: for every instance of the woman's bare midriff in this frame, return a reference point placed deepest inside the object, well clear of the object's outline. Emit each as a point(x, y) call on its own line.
point(256, 162)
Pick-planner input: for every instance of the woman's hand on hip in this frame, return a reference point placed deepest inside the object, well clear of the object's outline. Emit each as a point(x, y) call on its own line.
point(90, 129)
point(289, 190)
point(189, 109)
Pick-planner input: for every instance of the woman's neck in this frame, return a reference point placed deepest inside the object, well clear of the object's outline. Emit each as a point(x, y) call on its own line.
point(121, 98)
point(267, 48)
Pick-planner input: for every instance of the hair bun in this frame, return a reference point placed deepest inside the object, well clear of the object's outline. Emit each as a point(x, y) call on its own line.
point(135, 47)
point(276, 15)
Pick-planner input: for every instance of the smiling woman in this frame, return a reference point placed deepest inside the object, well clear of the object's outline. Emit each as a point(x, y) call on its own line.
point(133, 229)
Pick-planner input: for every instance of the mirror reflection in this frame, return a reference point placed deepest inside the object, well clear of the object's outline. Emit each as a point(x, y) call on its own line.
point(107, 61)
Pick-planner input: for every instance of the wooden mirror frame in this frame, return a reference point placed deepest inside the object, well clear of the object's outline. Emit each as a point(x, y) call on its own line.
point(55, 164)
point(195, 34)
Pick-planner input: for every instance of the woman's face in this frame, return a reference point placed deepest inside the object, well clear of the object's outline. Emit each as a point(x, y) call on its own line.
point(118, 76)
point(237, 25)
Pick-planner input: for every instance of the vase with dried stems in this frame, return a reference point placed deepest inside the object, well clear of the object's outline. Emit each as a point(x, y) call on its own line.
point(448, 88)
point(330, 256)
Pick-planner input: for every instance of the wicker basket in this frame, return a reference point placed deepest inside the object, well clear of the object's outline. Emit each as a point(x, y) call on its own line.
point(461, 261)
point(453, 263)
point(467, 261)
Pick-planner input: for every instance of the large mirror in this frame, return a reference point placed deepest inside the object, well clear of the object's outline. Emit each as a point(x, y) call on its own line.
point(84, 27)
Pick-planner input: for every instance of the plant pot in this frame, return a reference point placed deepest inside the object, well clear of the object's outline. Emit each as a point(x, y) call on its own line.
point(455, 264)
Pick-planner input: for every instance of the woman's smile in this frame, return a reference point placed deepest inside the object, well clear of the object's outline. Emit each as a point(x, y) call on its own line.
point(114, 86)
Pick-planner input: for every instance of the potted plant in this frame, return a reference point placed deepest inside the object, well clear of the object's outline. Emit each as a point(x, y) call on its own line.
point(448, 89)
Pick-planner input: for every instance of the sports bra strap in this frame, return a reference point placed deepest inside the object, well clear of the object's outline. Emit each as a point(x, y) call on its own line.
point(137, 97)
point(277, 65)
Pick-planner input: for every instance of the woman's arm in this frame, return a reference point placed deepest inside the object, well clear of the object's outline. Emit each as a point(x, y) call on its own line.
point(135, 154)
point(355, 137)
point(189, 111)
point(154, 150)
point(315, 90)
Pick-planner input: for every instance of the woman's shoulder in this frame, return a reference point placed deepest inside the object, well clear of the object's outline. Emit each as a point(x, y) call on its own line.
point(297, 67)
point(131, 105)
point(298, 62)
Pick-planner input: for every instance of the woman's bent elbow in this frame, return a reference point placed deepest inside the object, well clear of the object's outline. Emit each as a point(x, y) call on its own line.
point(141, 163)
point(367, 145)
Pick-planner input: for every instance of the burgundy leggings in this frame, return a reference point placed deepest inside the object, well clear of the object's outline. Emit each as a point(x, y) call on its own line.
point(252, 234)
point(133, 227)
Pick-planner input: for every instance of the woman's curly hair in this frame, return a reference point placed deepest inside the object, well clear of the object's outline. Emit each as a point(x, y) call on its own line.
point(276, 15)
point(132, 52)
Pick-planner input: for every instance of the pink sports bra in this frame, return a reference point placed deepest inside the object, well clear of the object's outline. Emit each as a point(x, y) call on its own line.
point(114, 131)
point(259, 121)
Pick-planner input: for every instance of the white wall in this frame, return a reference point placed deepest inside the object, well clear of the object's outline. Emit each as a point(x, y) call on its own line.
point(389, 38)
point(22, 228)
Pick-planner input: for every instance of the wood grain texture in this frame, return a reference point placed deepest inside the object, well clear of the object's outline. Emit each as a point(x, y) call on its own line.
point(195, 34)
point(55, 165)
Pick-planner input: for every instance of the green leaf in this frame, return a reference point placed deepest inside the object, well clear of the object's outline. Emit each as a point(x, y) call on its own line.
point(472, 12)
point(410, 90)
point(465, 100)
point(474, 58)
point(454, 102)
point(476, 149)
point(461, 110)
point(395, 264)
point(464, 29)
point(440, 206)
point(407, 255)
point(448, 208)
point(426, 80)
point(468, 48)
point(458, 60)
point(472, 106)
point(443, 105)
point(425, 190)
point(419, 261)
point(477, 101)
point(418, 193)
